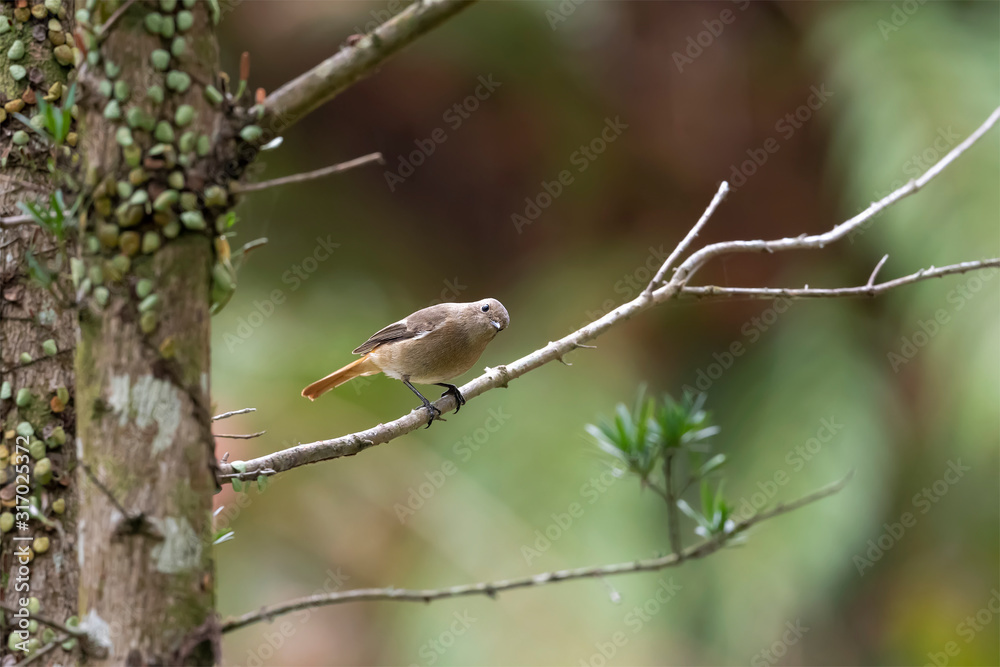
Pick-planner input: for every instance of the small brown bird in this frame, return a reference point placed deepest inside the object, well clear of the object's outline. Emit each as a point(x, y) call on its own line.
point(430, 346)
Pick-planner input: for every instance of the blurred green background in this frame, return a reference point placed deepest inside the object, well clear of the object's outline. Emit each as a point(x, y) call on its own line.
point(702, 88)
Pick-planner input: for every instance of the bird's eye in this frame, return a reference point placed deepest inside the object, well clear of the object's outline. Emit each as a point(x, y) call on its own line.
point(485, 307)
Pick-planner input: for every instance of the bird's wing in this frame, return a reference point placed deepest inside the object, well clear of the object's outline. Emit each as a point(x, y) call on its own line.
point(418, 324)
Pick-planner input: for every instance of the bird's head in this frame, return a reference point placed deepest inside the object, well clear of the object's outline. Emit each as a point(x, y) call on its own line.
point(491, 312)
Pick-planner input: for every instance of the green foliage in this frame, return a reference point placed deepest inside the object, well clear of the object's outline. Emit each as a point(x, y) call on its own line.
point(672, 436)
point(685, 424)
point(716, 514)
point(56, 120)
point(630, 437)
point(37, 271)
point(55, 218)
point(640, 438)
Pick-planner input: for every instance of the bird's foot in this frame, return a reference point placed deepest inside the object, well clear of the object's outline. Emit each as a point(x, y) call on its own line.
point(434, 414)
point(453, 390)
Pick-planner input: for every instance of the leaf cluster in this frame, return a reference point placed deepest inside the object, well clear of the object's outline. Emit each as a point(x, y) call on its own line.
point(667, 444)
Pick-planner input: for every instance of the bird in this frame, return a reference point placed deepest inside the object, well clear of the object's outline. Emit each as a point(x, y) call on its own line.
point(430, 346)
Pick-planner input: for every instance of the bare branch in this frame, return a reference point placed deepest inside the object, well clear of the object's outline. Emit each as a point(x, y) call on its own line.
point(878, 267)
point(15, 220)
point(691, 235)
point(246, 436)
point(111, 19)
point(349, 445)
point(673, 516)
point(490, 589)
point(292, 101)
point(227, 415)
point(309, 175)
point(37, 360)
point(75, 632)
point(807, 242)
point(813, 292)
point(235, 474)
point(37, 655)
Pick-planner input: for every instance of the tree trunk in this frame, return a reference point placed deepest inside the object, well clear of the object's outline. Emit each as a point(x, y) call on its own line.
point(36, 395)
point(132, 555)
point(29, 316)
point(143, 358)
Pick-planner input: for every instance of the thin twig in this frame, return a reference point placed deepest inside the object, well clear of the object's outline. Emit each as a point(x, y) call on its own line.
point(673, 515)
point(294, 100)
point(75, 632)
point(657, 490)
point(114, 501)
point(805, 242)
point(490, 589)
point(241, 188)
point(23, 185)
point(246, 436)
point(42, 651)
point(251, 245)
point(691, 235)
point(878, 267)
point(111, 19)
point(245, 476)
point(35, 360)
point(708, 291)
point(354, 443)
point(226, 415)
point(16, 220)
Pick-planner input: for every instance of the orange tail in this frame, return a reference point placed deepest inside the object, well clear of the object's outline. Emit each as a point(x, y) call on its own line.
point(363, 366)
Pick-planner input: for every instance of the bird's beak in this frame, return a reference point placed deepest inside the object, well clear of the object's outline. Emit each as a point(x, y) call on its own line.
point(496, 324)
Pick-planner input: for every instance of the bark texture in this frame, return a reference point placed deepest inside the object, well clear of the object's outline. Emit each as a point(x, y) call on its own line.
point(31, 319)
point(28, 317)
point(147, 577)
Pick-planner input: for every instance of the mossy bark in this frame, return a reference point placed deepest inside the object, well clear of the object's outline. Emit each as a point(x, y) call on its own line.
point(143, 359)
point(29, 316)
point(143, 427)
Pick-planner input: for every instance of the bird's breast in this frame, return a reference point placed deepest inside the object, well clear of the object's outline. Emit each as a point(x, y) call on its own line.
point(438, 356)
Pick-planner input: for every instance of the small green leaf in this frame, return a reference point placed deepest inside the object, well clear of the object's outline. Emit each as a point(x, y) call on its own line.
point(688, 510)
point(36, 271)
point(712, 465)
point(224, 537)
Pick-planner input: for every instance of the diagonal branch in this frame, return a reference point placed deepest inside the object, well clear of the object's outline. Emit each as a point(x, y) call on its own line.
point(239, 436)
point(13, 611)
point(227, 415)
point(106, 26)
point(817, 241)
point(490, 589)
point(240, 188)
point(878, 267)
point(349, 445)
point(689, 239)
point(40, 653)
point(292, 101)
point(709, 291)
point(15, 220)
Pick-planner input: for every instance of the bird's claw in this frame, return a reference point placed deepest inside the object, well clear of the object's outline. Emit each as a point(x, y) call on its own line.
point(434, 414)
point(452, 390)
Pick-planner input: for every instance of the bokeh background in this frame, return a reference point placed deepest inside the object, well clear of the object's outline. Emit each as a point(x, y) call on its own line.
point(892, 86)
